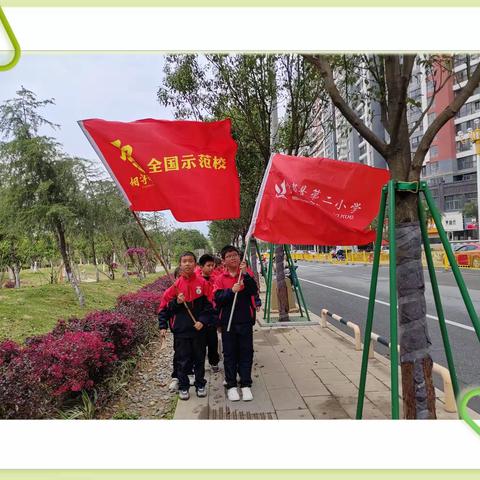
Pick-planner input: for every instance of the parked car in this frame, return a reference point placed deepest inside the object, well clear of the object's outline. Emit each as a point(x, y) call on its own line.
point(468, 255)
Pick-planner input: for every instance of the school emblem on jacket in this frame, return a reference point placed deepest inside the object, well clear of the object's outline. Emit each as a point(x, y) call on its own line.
point(198, 290)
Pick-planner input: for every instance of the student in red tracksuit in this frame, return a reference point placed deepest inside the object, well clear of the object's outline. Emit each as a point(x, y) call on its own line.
point(207, 265)
point(189, 337)
point(238, 342)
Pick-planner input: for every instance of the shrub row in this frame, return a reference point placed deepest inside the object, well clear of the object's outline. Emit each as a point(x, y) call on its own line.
point(38, 377)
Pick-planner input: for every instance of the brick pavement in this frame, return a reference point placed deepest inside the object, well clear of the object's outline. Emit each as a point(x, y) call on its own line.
point(302, 372)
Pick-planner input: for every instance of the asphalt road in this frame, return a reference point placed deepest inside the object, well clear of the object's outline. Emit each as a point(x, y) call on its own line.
point(344, 289)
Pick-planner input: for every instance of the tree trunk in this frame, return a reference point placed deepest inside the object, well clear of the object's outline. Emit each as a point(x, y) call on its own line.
point(253, 261)
point(282, 292)
point(125, 242)
point(94, 254)
point(16, 273)
point(62, 245)
point(415, 360)
point(11, 274)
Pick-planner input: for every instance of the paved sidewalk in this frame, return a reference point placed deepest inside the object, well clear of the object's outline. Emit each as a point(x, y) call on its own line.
point(302, 372)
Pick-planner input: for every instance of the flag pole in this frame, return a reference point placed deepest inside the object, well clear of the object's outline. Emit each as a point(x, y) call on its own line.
point(250, 232)
point(152, 245)
point(157, 254)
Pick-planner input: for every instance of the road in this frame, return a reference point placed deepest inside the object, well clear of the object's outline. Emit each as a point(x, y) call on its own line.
point(344, 289)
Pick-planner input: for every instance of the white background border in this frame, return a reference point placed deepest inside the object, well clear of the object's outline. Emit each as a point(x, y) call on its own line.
point(227, 29)
point(267, 444)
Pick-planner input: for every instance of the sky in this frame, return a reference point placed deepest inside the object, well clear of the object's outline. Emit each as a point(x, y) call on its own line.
point(113, 86)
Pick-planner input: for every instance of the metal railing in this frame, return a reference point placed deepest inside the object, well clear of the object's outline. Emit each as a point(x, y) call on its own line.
point(440, 259)
point(450, 404)
point(351, 325)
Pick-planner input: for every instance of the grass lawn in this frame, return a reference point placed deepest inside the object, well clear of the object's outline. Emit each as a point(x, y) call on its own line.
point(33, 310)
point(29, 278)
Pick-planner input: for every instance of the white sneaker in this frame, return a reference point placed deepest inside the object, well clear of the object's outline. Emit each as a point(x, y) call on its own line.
point(247, 395)
point(191, 379)
point(173, 387)
point(224, 383)
point(232, 394)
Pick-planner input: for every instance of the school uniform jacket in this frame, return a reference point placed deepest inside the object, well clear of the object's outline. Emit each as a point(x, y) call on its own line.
point(198, 295)
point(244, 313)
point(211, 281)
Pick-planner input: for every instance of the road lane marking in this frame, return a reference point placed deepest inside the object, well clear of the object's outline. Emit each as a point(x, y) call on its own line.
point(433, 317)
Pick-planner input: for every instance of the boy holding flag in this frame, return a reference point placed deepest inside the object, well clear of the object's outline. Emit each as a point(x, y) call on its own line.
point(238, 342)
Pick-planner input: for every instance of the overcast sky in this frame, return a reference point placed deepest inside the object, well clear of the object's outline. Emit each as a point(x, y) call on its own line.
point(110, 86)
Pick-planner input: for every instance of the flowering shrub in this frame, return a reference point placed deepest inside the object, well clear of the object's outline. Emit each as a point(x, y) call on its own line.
point(72, 362)
point(140, 251)
point(140, 307)
point(35, 379)
point(112, 326)
point(158, 286)
point(8, 350)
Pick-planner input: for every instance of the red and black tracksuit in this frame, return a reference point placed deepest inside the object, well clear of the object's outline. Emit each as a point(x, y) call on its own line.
point(238, 343)
point(188, 343)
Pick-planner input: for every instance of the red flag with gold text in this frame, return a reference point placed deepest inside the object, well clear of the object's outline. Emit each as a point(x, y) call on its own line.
point(317, 201)
point(187, 167)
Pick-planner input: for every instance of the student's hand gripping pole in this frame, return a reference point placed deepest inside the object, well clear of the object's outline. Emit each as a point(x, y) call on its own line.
point(236, 293)
point(187, 307)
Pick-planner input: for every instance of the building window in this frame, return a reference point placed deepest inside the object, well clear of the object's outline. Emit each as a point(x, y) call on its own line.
point(431, 117)
point(464, 126)
point(433, 151)
point(463, 146)
point(468, 109)
point(459, 59)
point(415, 141)
point(461, 76)
point(465, 162)
point(454, 202)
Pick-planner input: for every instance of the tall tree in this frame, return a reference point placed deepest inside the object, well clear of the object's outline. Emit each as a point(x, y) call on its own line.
point(387, 79)
point(249, 89)
point(41, 182)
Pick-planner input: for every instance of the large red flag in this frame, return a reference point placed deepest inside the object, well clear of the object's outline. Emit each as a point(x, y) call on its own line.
point(185, 166)
point(317, 201)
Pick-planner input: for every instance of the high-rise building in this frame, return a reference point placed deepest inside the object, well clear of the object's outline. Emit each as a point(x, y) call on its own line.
point(450, 165)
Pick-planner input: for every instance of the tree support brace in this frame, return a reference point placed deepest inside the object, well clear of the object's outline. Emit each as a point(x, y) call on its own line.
point(295, 285)
point(389, 190)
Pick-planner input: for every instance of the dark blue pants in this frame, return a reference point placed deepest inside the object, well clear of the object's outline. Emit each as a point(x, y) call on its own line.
point(212, 345)
point(190, 353)
point(238, 355)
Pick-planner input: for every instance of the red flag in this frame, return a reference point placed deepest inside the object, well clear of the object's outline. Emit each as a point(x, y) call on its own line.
point(317, 201)
point(185, 166)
